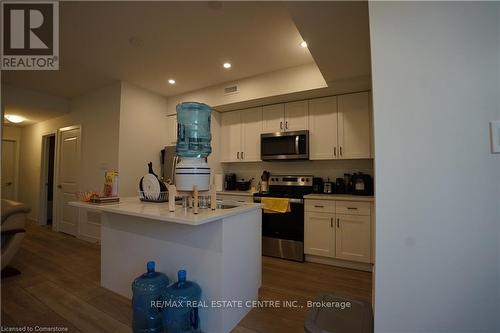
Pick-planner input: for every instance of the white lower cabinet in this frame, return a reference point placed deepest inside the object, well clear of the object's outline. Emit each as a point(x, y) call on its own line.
point(319, 234)
point(330, 232)
point(353, 238)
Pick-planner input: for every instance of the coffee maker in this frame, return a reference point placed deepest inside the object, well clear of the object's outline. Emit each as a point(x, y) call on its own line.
point(230, 182)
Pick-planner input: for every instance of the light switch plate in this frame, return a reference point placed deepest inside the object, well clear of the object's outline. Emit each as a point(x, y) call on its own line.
point(495, 136)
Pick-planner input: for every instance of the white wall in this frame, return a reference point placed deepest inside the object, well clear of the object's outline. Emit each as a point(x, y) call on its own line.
point(143, 134)
point(290, 80)
point(98, 113)
point(11, 132)
point(435, 88)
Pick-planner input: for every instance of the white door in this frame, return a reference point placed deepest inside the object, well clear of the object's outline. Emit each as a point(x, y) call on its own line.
point(273, 118)
point(67, 182)
point(251, 120)
point(323, 128)
point(172, 130)
point(353, 238)
point(9, 169)
point(354, 126)
point(297, 116)
point(231, 136)
point(319, 234)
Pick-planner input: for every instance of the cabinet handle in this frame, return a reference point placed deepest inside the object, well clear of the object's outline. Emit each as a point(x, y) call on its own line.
point(331, 222)
point(286, 124)
point(353, 208)
point(242, 155)
point(281, 125)
point(318, 206)
point(238, 155)
point(338, 223)
point(335, 151)
point(340, 149)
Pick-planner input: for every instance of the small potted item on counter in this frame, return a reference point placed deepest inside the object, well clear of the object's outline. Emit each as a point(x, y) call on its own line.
point(110, 183)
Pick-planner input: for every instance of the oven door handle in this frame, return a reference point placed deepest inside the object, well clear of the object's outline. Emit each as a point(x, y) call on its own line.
point(297, 152)
point(292, 200)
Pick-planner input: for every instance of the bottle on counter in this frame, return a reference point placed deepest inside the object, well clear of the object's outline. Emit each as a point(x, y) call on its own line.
point(148, 288)
point(185, 295)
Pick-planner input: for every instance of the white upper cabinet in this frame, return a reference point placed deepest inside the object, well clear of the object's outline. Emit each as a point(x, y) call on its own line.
point(251, 120)
point(296, 116)
point(339, 127)
point(240, 135)
point(354, 129)
point(293, 116)
point(323, 128)
point(172, 130)
point(273, 118)
point(231, 136)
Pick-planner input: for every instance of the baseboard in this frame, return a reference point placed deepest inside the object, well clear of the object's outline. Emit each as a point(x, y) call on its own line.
point(87, 238)
point(360, 266)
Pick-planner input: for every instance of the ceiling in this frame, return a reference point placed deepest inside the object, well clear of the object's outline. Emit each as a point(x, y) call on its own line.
point(146, 43)
point(31, 105)
point(337, 34)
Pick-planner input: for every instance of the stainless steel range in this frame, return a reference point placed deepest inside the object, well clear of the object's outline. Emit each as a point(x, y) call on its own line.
point(283, 233)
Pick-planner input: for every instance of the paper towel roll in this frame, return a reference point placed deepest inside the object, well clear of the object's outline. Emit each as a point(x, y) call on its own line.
point(219, 183)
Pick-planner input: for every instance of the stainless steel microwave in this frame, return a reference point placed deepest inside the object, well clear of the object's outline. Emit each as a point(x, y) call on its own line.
point(284, 146)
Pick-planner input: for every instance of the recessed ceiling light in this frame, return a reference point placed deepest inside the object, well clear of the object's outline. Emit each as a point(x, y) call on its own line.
point(171, 81)
point(303, 44)
point(227, 65)
point(14, 118)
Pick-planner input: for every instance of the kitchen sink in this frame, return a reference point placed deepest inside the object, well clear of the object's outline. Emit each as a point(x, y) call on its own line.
point(225, 206)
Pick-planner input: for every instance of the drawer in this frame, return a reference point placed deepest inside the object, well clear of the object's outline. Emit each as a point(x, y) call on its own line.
point(320, 206)
point(352, 208)
point(237, 198)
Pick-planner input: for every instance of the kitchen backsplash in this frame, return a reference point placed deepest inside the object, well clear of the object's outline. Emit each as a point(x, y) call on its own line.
point(324, 169)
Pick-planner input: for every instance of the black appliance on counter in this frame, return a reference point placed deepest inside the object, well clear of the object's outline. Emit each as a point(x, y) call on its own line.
point(362, 184)
point(230, 182)
point(340, 186)
point(283, 233)
point(284, 146)
point(318, 185)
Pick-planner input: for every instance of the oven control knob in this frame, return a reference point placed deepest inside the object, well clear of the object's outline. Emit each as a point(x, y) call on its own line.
point(302, 179)
point(307, 179)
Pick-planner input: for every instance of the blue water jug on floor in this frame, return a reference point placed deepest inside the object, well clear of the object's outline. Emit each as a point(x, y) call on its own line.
point(181, 316)
point(148, 288)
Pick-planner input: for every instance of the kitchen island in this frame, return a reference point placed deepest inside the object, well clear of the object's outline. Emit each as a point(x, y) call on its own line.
point(220, 249)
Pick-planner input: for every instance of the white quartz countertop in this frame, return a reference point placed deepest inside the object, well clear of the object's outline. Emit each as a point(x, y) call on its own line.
point(132, 206)
point(339, 197)
point(242, 193)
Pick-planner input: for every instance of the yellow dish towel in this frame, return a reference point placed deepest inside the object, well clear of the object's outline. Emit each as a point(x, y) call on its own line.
point(275, 205)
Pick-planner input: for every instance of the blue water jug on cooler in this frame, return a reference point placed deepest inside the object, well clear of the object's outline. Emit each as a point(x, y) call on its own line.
point(148, 288)
point(193, 130)
point(181, 316)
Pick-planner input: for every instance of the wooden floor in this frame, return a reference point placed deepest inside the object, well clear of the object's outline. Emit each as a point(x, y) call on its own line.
point(59, 286)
